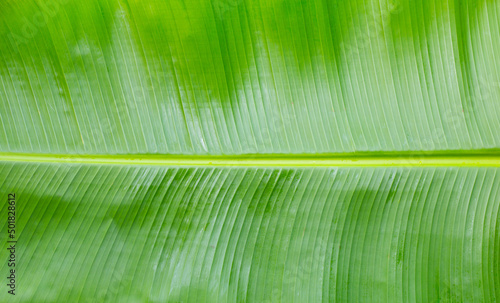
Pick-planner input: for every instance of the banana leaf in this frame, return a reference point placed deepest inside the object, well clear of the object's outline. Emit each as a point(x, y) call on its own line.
point(250, 151)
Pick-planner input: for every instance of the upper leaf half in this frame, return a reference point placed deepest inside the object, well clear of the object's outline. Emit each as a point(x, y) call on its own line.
point(248, 76)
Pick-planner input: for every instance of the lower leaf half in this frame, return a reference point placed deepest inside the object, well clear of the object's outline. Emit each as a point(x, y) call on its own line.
point(151, 233)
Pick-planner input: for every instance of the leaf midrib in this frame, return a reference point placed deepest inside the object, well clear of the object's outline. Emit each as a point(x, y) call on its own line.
point(489, 158)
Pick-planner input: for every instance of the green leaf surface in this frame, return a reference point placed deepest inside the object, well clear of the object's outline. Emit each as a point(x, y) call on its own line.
point(248, 76)
point(251, 150)
point(129, 233)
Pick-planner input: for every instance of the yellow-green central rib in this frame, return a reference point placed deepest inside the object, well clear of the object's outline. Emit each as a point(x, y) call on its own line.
point(491, 160)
